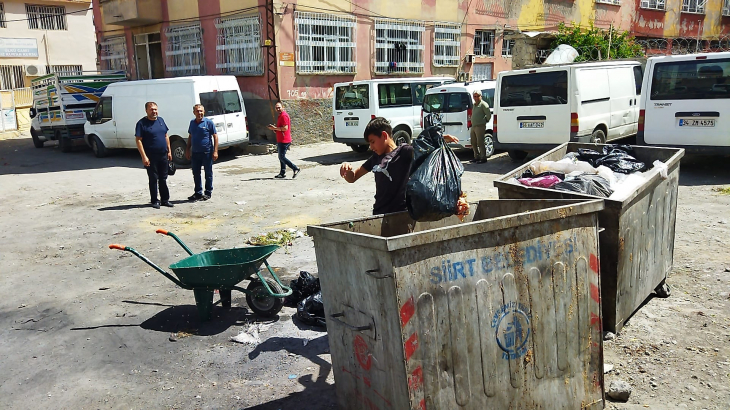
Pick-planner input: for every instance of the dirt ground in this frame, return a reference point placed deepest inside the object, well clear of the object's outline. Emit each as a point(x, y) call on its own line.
point(86, 327)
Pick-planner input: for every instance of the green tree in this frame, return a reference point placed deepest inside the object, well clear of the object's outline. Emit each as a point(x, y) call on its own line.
point(592, 43)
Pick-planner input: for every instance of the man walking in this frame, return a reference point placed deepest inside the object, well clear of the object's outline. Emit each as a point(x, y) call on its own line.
point(153, 145)
point(202, 150)
point(283, 141)
point(480, 116)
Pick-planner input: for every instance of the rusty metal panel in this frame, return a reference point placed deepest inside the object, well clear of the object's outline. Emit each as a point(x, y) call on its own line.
point(502, 311)
point(637, 245)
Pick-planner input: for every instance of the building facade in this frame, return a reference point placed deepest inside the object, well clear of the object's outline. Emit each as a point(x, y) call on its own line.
point(296, 50)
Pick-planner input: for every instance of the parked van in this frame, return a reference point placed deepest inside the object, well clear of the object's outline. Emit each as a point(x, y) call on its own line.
point(454, 102)
point(540, 108)
point(685, 103)
point(399, 100)
point(112, 123)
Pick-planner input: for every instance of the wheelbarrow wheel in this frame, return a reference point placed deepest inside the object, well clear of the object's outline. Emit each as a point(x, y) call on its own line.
point(259, 299)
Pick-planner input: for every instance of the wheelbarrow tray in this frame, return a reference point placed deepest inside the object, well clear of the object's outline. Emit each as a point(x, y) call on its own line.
point(221, 268)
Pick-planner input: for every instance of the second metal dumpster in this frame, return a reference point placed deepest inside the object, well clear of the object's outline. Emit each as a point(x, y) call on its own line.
point(499, 312)
point(637, 245)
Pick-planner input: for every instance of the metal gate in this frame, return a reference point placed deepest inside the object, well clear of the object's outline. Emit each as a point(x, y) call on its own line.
point(482, 72)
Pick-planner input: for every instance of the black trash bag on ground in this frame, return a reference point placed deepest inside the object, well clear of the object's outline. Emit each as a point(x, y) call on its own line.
point(305, 285)
point(434, 187)
point(311, 310)
point(616, 157)
point(590, 184)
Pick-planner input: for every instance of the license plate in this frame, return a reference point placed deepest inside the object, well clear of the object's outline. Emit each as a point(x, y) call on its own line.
point(532, 124)
point(696, 123)
point(351, 123)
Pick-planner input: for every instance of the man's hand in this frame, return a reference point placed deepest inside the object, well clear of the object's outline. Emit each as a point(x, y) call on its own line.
point(187, 154)
point(345, 168)
point(146, 161)
point(215, 155)
point(271, 127)
point(169, 156)
point(450, 138)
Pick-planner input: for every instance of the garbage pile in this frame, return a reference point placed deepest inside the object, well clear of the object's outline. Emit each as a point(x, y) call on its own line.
point(307, 298)
point(613, 173)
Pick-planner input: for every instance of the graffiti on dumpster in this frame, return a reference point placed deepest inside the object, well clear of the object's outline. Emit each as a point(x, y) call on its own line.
point(362, 352)
point(512, 326)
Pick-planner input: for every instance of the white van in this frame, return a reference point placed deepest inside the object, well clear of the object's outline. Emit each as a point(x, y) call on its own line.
point(540, 108)
point(399, 100)
point(111, 124)
point(685, 103)
point(454, 102)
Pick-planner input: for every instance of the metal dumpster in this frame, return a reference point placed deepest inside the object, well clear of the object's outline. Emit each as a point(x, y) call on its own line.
point(637, 245)
point(500, 311)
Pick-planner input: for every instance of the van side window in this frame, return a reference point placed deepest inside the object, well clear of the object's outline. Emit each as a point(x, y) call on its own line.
point(547, 88)
point(106, 108)
point(220, 102)
point(691, 80)
point(419, 91)
point(353, 97)
point(394, 95)
point(458, 102)
point(638, 78)
point(488, 97)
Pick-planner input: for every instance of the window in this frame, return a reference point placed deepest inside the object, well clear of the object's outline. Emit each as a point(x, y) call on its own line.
point(12, 77)
point(114, 53)
point(549, 88)
point(652, 4)
point(103, 111)
point(394, 95)
point(419, 91)
point(484, 43)
point(726, 8)
point(2, 16)
point(239, 46)
point(614, 2)
point(638, 78)
point(447, 45)
point(184, 53)
point(447, 102)
point(691, 80)
point(507, 46)
point(481, 72)
point(64, 70)
point(325, 43)
point(399, 46)
point(352, 97)
point(46, 17)
point(693, 6)
point(220, 102)
point(488, 97)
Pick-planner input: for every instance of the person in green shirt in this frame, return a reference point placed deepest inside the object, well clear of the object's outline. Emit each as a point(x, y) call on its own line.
point(480, 116)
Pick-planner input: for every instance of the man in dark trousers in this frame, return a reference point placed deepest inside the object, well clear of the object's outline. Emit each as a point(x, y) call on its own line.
point(283, 141)
point(202, 150)
point(153, 145)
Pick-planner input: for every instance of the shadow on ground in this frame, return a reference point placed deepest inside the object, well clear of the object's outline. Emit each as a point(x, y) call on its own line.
point(704, 170)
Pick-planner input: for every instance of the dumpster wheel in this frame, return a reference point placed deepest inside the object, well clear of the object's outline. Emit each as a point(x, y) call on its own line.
point(259, 299)
point(663, 290)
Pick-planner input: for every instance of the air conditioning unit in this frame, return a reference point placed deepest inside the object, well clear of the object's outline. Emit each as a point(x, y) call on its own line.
point(33, 71)
point(469, 58)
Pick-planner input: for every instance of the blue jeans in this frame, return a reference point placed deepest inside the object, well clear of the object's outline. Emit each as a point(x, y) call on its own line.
point(281, 148)
point(205, 160)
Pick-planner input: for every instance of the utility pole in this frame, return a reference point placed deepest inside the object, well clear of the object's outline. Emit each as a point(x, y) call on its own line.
point(610, 32)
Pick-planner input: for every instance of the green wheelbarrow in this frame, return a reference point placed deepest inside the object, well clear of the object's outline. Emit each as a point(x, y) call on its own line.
point(224, 269)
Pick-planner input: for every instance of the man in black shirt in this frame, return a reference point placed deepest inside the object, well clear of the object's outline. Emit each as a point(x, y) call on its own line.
point(390, 163)
point(153, 145)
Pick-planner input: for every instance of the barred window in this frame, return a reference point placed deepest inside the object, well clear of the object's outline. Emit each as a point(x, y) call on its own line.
point(399, 46)
point(447, 45)
point(694, 6)
point(65, 70)
point(114, 53)
point(614, 2)
point(652, 4)
point(12, 77)
point(507, 46)
point(184, 52)
point(239, 46)
point(484, 43)
point(325, 43)
point(726, 8)
point(2, 16)
point(46, 17)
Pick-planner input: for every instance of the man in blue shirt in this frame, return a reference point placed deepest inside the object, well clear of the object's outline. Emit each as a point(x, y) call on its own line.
point(202, 150)
point(153, 145)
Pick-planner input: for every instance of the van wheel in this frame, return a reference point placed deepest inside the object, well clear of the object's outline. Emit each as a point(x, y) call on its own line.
point(98, 147)
point(359, 148)
point(178, 147)
point(488, 145)
point(517, 156)
point(36, 141)
point(598, 137)
point(401, 137)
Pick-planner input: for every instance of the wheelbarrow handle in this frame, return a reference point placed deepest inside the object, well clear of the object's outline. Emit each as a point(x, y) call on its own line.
point(116, 246)
point(178, 240)
point(149, 262)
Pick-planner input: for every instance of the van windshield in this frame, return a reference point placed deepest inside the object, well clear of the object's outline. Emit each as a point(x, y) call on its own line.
point(220, 102)
point(352, 97)
point(550, 88)
point(691, 80)
point(447, 102)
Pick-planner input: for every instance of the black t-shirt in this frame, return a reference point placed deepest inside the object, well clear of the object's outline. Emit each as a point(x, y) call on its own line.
point(391, 176)
point(152, 134)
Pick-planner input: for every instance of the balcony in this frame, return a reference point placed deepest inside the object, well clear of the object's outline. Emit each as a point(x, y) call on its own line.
point(131, 13)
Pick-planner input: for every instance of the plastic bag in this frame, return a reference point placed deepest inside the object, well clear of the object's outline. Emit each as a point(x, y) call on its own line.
point(538, 167)
point(542, 182)
point(303, 286)
point(615, 157)
point(434, 187)
point(311, 310)
point(586, 184)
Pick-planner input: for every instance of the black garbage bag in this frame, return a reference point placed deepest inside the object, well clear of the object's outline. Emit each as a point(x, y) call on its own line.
point(311, 310)
point(434, 187)
point(616, 157)
point(528, 174)
point(590, 184)
point(305, 285)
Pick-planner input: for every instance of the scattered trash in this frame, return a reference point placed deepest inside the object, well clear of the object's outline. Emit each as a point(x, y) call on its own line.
point(248, 337)
point(607, 368)
point(104, 288)
point(22, 306)
point(311, 310)
point(305, 342)
point(173, 337)
point(281, 237)
point(303, 286)
point(292, 376)
point(240, 202)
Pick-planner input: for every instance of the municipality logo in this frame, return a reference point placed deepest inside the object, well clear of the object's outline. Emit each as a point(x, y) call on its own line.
point(512, 324)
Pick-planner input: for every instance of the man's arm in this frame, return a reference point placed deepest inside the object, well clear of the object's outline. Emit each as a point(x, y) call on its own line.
point(140, 148)
point(215, 147)
point(169, 151)
point(349, 175)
